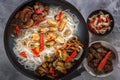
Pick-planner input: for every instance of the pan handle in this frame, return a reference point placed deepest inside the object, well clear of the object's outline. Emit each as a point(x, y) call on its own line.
point(74, 74)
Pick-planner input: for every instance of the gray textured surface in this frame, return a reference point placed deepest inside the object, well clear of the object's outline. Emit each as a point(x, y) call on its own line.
point(8, 72)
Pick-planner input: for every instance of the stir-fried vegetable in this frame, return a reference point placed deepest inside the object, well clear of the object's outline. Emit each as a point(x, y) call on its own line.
point(63, 59)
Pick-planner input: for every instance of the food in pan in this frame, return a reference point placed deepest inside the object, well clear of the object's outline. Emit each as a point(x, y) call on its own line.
point(45, 39)
point(63, 59)
point(100, 58)
point(100, 23)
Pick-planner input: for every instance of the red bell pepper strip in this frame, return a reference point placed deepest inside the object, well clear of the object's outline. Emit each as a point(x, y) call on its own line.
point(43, 19)
point(17, 30)
point(54, 74)
point(99, 19)
point(50, 38)
point(59, 16)
point(109, 20)
point(103, 61)
point(23, 54)
point(35, 52)
point(41, 42)
point(51, 70)
point(92, 29)
point(20, 12)
point(102, 27)
point(71, 56)
point(38, 11)
point(37, 24)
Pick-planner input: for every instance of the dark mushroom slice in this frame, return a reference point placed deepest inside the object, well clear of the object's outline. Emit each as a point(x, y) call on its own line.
point(28, 24)
point(26, 14)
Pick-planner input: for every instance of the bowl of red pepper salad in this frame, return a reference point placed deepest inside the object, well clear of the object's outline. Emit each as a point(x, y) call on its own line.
point(100, 22)
point(102, 59)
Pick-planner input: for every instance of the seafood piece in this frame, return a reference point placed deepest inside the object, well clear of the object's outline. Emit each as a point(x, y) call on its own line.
point(42, 71)
point(53, 29)
point(52, 22)
point(44, 29)
point(32, 45)
point(59, 63)
point(61, 69)
point(51, 36)
point(68, 65)
point(67, 32)
point(60, 40)
point(49, 59)
point(62, 55)
point(44, 65)
point(50, 43)
point(35, 36)
point(62, 25)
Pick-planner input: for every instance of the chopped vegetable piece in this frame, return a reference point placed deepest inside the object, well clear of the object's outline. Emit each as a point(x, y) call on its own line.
point(103, 61)
point(102, 27)
point(59, 16)
point(51, 37)
point(17, 30)
point(43, 19)
point(35, 52)
point(38, 11)
point(37, 24)
point(41, 42)
point(23, 54)
point(51, 70)
point(71, 56)
point(54, 74)
point(62, 25)
point(92, 29)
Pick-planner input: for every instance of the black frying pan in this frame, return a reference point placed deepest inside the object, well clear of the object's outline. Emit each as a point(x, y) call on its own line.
point(82, 33)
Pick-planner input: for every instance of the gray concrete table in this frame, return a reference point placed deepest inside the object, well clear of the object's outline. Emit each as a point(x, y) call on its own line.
point(8, 72)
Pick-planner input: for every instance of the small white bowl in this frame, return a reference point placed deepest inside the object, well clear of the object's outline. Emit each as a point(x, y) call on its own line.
point(115, 62)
